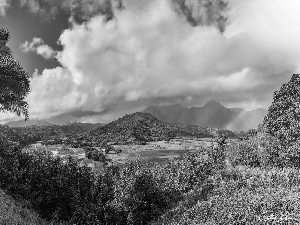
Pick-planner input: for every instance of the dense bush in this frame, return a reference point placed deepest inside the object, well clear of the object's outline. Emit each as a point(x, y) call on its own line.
point(51, 187)
point(147, 192)
point(263, 152)
point(245, 153)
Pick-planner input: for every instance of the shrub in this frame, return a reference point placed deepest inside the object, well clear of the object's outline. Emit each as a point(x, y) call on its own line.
point(244, 153)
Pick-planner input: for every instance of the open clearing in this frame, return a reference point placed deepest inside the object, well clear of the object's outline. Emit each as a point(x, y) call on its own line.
point(153, 152)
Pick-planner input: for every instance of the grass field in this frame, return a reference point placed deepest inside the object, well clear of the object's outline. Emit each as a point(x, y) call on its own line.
point(159, 152)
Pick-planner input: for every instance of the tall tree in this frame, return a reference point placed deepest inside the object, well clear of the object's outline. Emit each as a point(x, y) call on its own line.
point(14, 81)
point(283, 118)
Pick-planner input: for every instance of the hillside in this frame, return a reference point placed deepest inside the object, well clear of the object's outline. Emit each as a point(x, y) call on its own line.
point(133, 128)
point(14, 213)
point(212, 114)
point(143, 127)
point(31, 134)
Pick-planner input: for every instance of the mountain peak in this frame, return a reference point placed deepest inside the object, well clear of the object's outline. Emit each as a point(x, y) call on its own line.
point(213, 104)
point(150, 108)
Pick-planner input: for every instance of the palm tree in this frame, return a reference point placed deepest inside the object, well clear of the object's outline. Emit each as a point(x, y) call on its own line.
point(14, 81)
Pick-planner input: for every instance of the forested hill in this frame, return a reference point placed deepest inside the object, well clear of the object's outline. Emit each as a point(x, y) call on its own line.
point(143, 127)
point(32, 134)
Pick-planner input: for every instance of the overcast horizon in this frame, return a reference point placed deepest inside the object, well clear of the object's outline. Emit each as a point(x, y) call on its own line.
point(106, 58)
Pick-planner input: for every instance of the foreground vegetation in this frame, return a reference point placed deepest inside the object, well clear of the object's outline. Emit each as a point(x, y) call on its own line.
point(226, 185)
point(66, 192)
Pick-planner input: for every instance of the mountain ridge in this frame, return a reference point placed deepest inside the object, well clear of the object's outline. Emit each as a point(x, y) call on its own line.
point(212, 114)
point(30, 122)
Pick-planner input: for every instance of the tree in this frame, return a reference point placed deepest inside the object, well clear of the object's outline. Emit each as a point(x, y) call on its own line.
point(14, 85)
point(283, 118)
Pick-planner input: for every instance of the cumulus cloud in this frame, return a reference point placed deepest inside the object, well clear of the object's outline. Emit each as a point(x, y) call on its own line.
point(38, 46)
point(154, 56)
point(4, 5)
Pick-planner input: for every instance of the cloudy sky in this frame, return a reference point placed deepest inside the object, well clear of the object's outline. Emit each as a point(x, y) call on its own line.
point(104, 58)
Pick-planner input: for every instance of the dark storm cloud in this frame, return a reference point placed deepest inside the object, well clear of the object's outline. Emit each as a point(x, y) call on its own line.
point(203, 12)
point(80, 10)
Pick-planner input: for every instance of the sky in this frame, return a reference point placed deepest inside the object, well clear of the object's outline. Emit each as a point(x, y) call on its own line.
point(102, 59)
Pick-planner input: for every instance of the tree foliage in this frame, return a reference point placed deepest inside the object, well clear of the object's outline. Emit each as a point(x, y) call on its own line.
point(14, 81)
point(283, 118)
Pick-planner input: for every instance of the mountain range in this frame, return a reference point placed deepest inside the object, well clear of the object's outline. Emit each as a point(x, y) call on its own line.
point(62, 119)
point(45, 122)
point(31, 122)
point(212, 114)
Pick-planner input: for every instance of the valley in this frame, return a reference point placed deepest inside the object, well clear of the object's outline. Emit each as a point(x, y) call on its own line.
point(137, 136)
point(154, 153)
